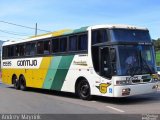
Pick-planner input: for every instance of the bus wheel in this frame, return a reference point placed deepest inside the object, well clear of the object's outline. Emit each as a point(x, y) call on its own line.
point(22, 83)
point(83, 90)
point(16, 83)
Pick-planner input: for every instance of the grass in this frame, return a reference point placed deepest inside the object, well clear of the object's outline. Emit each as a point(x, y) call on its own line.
point(158, 58)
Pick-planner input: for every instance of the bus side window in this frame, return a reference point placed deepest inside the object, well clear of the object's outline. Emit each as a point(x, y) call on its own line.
point(28, 49)
point(40, 47)
point(17, 51)
point(46, 47)
point(21, 50)
point(63, 44)
point(4, 55)
point(10, 50)
point(73, 43)
point(33, 49)
point(82, 42)
point(55, 45)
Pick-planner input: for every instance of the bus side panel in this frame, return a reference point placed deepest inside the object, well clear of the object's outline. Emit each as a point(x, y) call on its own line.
point(38, 75)
point(62, 72)
point(57, 72)
point(28, 77)
point(78, 68)
point(7, 74)
point(6, 77)
point(51, 72)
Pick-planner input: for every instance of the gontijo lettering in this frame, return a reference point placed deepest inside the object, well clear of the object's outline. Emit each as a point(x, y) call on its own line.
point(27, 63)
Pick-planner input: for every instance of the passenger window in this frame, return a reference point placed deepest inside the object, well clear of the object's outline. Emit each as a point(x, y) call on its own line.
point(46, 47)
point(40, 47)
point(10, 51)
point(55, 45)
point(33, 49)
point(5, 53)
point(28, 49)
point(82, 42)
point(73, 43)
point(63, 44)
point(20, 50)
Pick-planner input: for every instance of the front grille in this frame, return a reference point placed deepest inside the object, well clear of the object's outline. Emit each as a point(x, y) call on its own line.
point(146, 80)
point(136, 81)
point(140, 81)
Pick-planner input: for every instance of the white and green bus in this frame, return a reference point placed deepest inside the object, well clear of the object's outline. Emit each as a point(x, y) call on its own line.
point(86, 61)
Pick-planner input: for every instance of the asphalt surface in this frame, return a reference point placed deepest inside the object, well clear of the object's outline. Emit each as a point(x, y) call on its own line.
point(52, 102)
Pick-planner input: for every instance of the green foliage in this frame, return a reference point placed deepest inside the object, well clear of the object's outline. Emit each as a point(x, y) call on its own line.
point(157, 49)
point(158, 57)
point(157, 44)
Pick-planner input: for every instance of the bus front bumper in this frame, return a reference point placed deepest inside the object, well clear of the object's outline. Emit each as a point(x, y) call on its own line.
point(136, 89)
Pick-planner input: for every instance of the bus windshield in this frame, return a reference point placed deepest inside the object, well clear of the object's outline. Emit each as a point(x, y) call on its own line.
point(128, 35)
point(135, 60)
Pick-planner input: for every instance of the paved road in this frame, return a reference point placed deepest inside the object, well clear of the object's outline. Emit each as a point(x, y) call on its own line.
point(44, 101)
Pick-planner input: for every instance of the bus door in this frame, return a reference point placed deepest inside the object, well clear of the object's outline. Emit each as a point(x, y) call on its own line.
point(104, 62)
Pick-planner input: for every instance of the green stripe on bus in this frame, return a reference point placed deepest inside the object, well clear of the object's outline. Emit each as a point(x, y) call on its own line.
point(61, 72)
point(51, 72)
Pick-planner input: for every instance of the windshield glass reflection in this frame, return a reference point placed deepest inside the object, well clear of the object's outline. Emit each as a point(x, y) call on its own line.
point(136, 60)
point(130, 35)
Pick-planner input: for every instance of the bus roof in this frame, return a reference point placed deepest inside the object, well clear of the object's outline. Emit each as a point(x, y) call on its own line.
point(69, 31)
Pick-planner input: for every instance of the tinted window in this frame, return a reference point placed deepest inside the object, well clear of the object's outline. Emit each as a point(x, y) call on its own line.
point(99, 36)
point(10, 51)
point(46, 47)
point(30, 49)
point(20, 50)
point(63, 44)
point(130, 35)
point(73, 43)
point(82, 42)
point(4, 52)
point(33, 49)
point(40, 47)
point(55, 45)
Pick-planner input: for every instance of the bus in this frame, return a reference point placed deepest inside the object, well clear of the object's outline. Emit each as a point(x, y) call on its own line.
point(86, 61)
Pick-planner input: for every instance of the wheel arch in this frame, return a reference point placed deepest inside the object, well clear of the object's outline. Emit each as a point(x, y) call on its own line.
point(78, 81)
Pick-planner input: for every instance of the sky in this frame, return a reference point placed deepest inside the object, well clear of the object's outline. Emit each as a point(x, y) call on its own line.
point(52, 15)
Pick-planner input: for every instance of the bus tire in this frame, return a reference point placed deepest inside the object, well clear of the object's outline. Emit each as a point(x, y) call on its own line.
point(22, 83)
point(15, 82)
point(83, 90)
point(16, 85)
